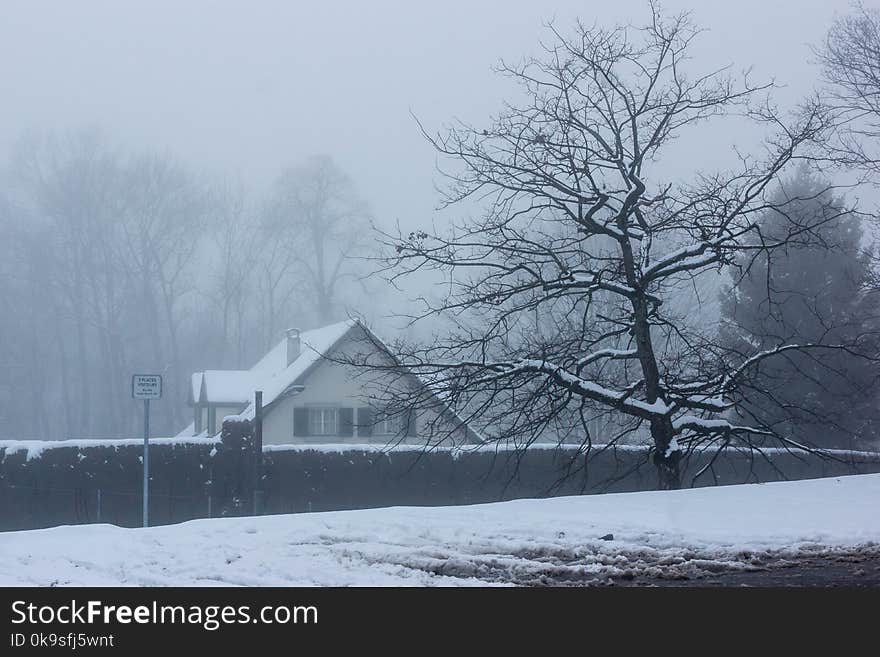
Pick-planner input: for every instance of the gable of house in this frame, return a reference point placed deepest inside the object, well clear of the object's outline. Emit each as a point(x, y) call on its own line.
point(215, 394)
point(310, 396)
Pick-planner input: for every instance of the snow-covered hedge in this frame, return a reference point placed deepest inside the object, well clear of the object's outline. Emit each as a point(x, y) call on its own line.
point(45, 484)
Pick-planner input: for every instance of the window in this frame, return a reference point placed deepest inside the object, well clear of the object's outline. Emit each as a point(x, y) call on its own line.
point(388, 426)
point(323, 421)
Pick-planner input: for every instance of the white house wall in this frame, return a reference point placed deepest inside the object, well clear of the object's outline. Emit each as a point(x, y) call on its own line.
point(334, 384)
point(220, 413)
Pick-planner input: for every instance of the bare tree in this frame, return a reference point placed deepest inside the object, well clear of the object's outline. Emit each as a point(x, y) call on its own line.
point(70, 183)
point(315, 209)
point(850, 60)
point(164, 216)
point(27, 338)
point(581, 231)
point(233, 232)
point(279, 286)
point(107, 258)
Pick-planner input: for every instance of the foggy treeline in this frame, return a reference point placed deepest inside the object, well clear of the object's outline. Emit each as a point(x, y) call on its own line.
point(116, 261)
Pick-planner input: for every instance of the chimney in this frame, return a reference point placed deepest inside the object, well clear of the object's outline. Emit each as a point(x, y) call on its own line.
point(292, 345)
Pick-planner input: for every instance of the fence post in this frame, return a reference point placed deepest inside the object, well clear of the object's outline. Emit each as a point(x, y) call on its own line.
point(99, 506)
point(258, 450)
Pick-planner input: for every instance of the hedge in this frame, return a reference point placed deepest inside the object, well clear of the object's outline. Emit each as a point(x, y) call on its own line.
point(73, 484)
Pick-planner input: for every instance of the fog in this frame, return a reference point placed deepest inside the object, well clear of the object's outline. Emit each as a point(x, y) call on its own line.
point(244, 89)
point(229, 95)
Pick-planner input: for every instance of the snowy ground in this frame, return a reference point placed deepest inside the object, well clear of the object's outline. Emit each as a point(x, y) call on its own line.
point(688, 533)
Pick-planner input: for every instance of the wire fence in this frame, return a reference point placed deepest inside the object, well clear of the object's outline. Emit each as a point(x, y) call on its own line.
point(31, 507)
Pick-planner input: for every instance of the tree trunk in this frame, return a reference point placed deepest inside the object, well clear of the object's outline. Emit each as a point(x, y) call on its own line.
point(666, 461)
point(668, 473)
point(177, 374)
point(662, 432)
point(325, 308)
point(65, 377)
point(84, 425)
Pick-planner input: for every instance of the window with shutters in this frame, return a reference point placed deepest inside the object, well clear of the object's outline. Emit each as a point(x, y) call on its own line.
point(323, 421)
point(388, 426)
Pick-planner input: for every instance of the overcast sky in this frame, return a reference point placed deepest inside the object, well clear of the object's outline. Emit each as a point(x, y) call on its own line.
point(245, 87)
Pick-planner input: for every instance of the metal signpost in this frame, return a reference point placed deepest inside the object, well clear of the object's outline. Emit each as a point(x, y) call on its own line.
point(146, 387)
point(258, 449)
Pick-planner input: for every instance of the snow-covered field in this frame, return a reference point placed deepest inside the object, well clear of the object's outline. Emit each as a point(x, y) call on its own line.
point(525, 541)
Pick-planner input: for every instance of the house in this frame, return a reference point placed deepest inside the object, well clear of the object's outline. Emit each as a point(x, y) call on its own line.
point(311, 394)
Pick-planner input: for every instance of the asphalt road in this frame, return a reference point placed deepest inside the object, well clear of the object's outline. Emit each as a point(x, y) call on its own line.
point(858, 569)
point(822, 567)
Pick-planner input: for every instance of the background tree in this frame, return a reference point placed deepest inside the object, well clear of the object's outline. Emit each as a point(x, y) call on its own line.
point(323, 222)
point(582, 151)
point(117, 261)
point(107, 246)
point(68, 188)
point(25, 342)
point(850, 60)
point(232, 262)
point(281, 288)
point(808, 293)
point(165, 214)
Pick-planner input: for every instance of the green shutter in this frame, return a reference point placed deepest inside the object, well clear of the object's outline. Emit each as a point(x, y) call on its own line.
point(411, 428)
point(300, 422)
point(346, 422)
point(365, 421)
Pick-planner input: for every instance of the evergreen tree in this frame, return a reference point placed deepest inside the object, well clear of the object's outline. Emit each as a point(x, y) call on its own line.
point(812, 290)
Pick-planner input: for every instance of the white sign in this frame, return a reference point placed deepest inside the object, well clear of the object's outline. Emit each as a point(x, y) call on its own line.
point(146, 386)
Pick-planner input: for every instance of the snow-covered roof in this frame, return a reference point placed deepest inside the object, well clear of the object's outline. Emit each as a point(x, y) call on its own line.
point(234, 386)
point(271, 374)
